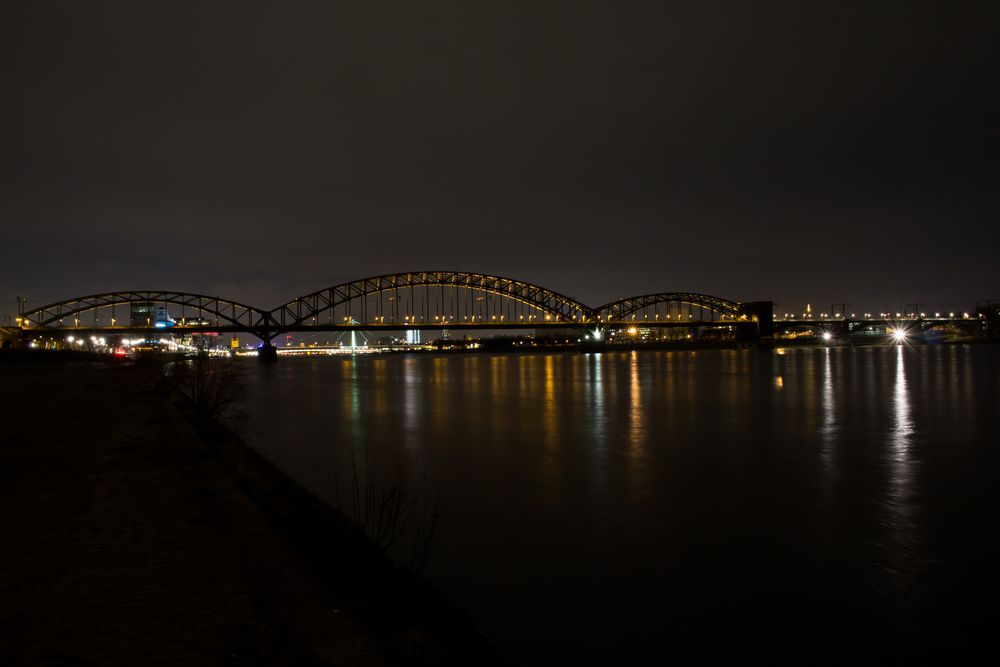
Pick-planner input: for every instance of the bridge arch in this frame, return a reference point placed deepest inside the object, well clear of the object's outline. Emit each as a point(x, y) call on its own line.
point(658, 307)
point(429, 297)
point(224, 311)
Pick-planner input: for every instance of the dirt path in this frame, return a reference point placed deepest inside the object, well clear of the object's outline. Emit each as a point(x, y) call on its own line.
point(123, 539)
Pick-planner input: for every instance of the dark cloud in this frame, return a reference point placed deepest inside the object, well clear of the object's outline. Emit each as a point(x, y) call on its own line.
point(791, 151)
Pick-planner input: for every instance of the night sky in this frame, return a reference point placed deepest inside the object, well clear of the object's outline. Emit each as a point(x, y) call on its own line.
point(800, 151)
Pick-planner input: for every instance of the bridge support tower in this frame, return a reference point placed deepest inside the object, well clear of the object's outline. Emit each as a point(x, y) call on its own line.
point(760, 329)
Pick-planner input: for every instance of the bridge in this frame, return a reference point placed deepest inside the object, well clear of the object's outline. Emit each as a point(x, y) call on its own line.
point(442, 300)
point(424, 300)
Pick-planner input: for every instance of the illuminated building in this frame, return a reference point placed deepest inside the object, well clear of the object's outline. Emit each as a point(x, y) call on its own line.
point(141, 314)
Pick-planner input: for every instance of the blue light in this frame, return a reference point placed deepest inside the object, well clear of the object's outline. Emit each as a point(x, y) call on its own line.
point(160, 325)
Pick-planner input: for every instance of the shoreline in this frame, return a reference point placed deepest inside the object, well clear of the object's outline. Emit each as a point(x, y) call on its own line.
point(155, 534)
point(421, 626)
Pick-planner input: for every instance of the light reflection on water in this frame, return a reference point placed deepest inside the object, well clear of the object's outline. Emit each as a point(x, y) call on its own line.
point(601, 500)
point(829, 430)
point(900, 521)
point(901, 407)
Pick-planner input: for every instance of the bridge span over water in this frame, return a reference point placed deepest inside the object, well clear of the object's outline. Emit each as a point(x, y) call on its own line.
point(427, 300)
point(431, 300)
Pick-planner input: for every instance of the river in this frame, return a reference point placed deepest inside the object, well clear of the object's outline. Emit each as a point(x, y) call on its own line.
point(643, 506)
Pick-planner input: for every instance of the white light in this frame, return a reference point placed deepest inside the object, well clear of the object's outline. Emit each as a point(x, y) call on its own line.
point(69, 339)
point(899, 335)
point(827, 336)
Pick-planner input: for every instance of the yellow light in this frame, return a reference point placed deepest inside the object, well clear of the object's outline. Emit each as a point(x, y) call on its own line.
point(632, 331)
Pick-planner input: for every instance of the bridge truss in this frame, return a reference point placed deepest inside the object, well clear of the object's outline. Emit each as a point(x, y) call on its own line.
point(422, 299)
point(101, 311)
point(431, 299)
point(669, 306)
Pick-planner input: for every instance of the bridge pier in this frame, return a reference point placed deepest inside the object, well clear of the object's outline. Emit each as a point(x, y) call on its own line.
point(267, 353)
point(760, 329)
point(746, 333)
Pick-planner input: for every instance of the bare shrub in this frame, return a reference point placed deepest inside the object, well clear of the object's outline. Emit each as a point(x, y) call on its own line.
point(386, 506)
point(215, 385)
point(427, 530)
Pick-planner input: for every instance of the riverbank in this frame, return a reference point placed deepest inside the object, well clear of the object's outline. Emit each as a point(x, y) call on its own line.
point(135, 535)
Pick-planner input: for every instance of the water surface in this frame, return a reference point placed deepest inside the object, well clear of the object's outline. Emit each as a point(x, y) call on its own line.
point(637, 506)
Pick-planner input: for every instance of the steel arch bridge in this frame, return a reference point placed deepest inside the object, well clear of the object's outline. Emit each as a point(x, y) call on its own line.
point(431, 298)
point(659, 306)
point(420, 300)
point(223, 313)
